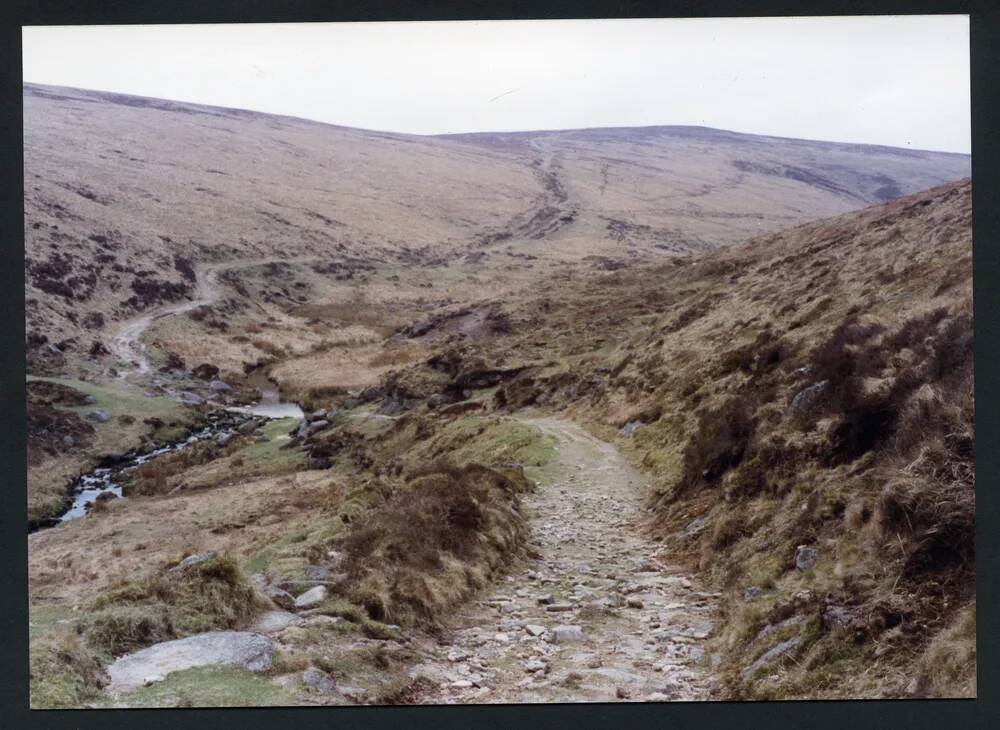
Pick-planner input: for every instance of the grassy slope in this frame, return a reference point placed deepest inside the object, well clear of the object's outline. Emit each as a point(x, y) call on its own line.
point(48, 480)
point(874, 474)
point(278, 520)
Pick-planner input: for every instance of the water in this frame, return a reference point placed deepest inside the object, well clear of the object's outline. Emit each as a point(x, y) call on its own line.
point(270, 404)
point(109, 477)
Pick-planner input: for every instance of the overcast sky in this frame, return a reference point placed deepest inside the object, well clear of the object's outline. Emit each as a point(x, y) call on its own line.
point(901, 81)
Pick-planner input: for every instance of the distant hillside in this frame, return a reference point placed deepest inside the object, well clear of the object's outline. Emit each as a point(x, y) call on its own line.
point(126, 197)
point(711, 186)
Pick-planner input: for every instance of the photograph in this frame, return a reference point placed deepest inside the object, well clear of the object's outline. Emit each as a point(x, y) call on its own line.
point(498, 362)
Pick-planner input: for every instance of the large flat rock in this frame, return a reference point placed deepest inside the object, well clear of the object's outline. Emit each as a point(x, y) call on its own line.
point(233, 648)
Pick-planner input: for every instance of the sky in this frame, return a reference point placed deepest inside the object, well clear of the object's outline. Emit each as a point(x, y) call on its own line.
point(900, 81)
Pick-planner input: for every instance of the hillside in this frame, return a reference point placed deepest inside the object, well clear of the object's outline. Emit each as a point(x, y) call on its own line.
point(591, 415)
point(128, 198)
point(802, 404)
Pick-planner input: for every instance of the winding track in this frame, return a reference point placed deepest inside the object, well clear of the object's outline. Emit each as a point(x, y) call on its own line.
point(642, 621)
point(127, 344)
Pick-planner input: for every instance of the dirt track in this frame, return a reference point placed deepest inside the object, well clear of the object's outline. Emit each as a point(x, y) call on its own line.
point(640, 621)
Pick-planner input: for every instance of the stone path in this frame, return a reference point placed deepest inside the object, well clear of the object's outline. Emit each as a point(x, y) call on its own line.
point(598, 616)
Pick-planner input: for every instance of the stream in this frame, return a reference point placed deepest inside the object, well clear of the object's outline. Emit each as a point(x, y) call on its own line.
point(224, 423)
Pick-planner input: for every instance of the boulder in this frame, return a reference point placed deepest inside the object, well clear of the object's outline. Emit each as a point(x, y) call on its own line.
point(458, 654)
point(630, 428)
point(244, 649)
point(318, 679)
point(805, 557)
point(192, 399)
point(696, 525)
point(194, 560)
point(317, 415)
point(806, 397)
point(316, 427)
point(559, 607)
point(534, 665)
point(311, 598)
point(218, 386)
point(99, 416)
point(567, 633)
point(769, 656)
point(274, 622)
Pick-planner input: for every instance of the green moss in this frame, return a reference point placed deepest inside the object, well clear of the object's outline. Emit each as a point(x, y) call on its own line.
point(209, 687)
point(493, 441)
point(270, 456)
point(120, 399)
point(285, 558)
point(340, 606)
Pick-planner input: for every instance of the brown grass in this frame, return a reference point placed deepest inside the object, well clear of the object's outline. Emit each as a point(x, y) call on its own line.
point(434, 542)
point(166, 604)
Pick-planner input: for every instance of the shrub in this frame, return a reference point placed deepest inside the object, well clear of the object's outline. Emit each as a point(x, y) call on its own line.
point(433, 542)
point(120, 629)
point(719, 443)
point(205, 596)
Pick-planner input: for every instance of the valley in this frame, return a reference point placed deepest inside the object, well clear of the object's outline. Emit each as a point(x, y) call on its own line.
point(600, 415)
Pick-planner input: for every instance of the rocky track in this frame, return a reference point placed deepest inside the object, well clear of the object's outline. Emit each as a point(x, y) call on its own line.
point(597, 616)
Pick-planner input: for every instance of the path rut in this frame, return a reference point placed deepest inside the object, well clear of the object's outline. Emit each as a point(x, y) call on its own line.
point(639, 621)
point(127, 343)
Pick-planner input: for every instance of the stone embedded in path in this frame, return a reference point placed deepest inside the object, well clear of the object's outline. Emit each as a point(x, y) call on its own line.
point(311, 598)
point(534, 665)
point(273, 622)
point(567, 633)
point(318, 680)
point(535, 629)
point(557, 607)
point(244, 649)
point(769, 656)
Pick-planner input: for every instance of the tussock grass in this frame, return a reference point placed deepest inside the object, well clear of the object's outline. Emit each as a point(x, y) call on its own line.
point(62, 672)
point(206, 596)
point(434, 542)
